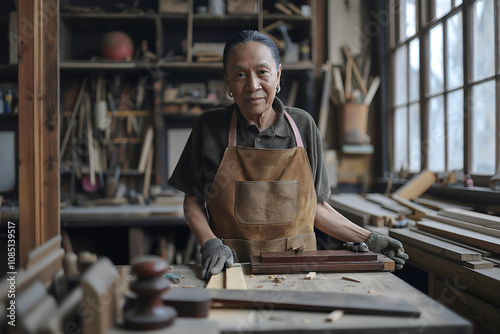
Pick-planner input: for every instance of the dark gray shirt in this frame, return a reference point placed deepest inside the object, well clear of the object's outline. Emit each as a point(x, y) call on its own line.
point(198, 164)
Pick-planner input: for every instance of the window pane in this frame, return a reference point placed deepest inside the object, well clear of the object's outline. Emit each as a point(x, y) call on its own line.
point(400, 139)
point(483, 128)
point(458, 3)
point(454, 52)
point(442, 7)
point(436, 134)
point(483, 39)
point(414, 80)
point(401, 95)
point(410, 18)
point(414, 135)
point(436, 60)
point(455, 124)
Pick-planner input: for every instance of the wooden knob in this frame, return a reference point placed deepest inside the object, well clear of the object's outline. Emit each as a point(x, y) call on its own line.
point(149, 285)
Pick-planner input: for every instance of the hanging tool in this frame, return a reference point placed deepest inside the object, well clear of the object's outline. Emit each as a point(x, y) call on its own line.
point(356, 246)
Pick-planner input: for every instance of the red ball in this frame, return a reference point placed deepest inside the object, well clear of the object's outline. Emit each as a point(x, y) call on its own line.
point(117, 45)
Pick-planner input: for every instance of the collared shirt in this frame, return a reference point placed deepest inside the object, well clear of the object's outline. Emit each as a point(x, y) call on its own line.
point(200, 159)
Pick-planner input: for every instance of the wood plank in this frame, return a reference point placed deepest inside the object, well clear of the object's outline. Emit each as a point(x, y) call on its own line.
point(459, 223)
point(472, 217)
point(316, 256)
point(44, 250)
point(419, 211)
point(216, 281)
point(481, 251)
point(235, 279)
point(441, 204)
point(481, 264)
point(146, 146)
point(388, 203)
point(418, 185)
point(462, 235)
point(379, 215)
point(333, 267)
point(317, 301)
point(435, 246)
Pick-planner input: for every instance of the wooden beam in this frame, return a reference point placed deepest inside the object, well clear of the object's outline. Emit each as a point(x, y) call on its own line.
point(38, 124)
point(235, 278)
point(417, 185)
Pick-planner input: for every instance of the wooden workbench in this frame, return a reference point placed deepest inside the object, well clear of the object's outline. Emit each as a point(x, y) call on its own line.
point(434, 318)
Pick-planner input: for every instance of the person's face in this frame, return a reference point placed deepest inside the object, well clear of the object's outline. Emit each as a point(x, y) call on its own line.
point(252, 77)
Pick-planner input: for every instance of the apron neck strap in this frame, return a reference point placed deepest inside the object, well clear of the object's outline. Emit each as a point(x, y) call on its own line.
point(234, 121)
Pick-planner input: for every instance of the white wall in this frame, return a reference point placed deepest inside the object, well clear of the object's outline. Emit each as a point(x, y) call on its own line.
point(345, 27)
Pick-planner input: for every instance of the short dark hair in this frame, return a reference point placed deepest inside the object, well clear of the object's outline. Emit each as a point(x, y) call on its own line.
point(247, 36)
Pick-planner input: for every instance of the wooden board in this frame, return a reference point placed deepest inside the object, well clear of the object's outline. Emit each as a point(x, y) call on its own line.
point(419, 211)
point(235, 280)
point(333, 267)
point(418, 185)
point(317, 256)
point(216, 281)
point(472, 217)
point(319, 301)
point(462, 235)
point(379, 216)
point(388, 203)
point(483, 252)
point(435, 246)
point(462, 224)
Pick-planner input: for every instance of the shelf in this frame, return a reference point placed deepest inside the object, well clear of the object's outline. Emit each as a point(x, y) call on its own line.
point(190, 66)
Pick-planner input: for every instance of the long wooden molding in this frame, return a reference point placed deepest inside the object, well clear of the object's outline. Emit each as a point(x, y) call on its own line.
point(38, 124)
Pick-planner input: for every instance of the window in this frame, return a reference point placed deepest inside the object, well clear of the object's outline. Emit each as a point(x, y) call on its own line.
point(446, 79)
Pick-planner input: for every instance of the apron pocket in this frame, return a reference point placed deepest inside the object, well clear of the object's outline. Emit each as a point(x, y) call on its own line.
point(264, 202)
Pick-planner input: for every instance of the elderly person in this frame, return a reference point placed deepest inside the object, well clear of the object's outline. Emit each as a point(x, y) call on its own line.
point(253, 172)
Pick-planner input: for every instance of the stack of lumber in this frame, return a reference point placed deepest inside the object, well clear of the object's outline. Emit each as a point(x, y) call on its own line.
point(319, 261)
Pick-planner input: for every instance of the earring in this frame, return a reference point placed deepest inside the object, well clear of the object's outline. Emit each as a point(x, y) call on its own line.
point(278, 89)
point(230, 94)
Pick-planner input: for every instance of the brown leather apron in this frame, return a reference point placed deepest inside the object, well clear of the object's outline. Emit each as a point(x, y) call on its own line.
point(263, 199)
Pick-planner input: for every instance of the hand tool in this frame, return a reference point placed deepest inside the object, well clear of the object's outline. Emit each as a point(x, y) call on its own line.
point(356, 246)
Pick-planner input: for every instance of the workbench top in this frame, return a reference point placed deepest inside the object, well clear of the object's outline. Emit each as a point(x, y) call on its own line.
point(434, 318)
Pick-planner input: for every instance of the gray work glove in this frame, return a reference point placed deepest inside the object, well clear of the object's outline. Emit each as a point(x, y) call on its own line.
point(388, 246)
point(214, 255)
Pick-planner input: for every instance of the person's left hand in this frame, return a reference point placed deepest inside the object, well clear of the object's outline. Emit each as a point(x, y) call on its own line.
point(388, 246)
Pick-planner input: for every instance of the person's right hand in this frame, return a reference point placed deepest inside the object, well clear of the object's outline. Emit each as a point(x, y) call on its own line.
point(214, 256)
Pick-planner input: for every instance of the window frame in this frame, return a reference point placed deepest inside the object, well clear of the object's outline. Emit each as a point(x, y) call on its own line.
point(425, 21)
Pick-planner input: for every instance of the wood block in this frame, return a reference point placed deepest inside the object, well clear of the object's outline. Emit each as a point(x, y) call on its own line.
point(317, 301)
point(235, 278)
point(65, 318)
point(435, 246)
point(44, 250)
point(43, 270)
point(99, 285)
point(462, 235)
point(216, 281)
point(37, 316)
point(418, 185)
point(333, 267)
point(310, 275)
point(316, 256)
point(481, 264)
